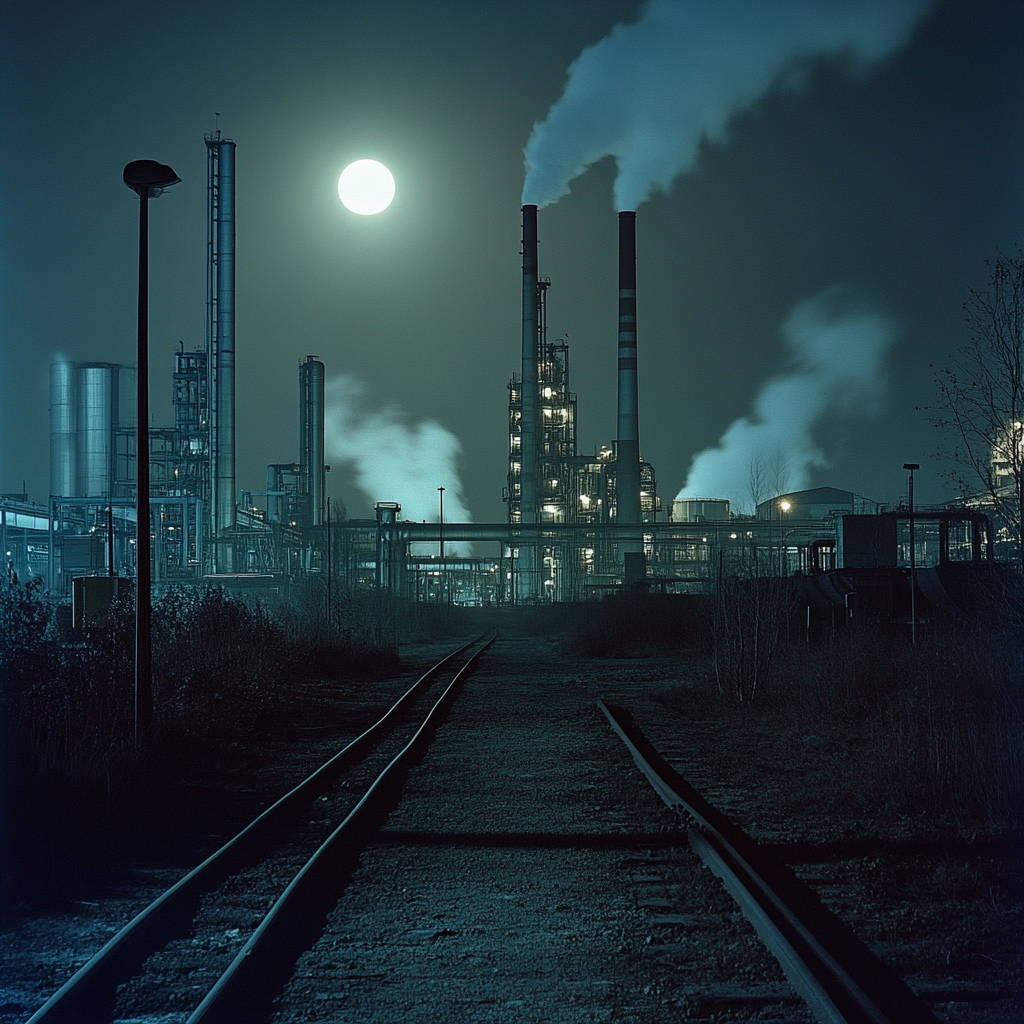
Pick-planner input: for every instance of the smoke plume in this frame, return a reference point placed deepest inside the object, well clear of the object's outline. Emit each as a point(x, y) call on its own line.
point(649, 92)
point(837, 347)
point(394, 460)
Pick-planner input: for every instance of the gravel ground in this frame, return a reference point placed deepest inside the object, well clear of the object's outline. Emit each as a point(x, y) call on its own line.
point(213, 802)
point(530, 874)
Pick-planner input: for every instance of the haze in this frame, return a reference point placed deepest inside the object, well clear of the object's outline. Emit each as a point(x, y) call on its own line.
point(892, 185)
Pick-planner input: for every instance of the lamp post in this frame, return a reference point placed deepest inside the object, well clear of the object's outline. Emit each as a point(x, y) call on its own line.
point(327, 470)
point(147, 179)
point(440, 540)
point(784, 507)
point(911, 466)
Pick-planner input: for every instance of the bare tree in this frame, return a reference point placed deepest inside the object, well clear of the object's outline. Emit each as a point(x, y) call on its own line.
point(981, 397)
point(767, 476)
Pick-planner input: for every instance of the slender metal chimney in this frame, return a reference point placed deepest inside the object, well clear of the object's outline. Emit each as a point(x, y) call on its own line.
point(220, 292)
point(529, 423)
point(311, 435)
point(627, 459)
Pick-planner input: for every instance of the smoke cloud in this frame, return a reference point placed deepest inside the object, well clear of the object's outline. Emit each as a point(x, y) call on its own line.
point(837, 347)
point(393, 459)
point(649, 92)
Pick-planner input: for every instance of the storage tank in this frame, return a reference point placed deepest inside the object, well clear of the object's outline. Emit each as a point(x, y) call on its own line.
point(62, 429)
point(700, 510)
point(94, 415)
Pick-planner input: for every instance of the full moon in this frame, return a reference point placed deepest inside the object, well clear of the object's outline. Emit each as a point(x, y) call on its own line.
point(366, 187)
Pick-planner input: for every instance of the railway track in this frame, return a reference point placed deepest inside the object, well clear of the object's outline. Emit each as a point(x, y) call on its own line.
point(274, 845)
point(516, 872)
point(840, 979)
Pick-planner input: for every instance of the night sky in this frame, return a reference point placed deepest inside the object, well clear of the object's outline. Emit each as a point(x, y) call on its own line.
point(881, 191)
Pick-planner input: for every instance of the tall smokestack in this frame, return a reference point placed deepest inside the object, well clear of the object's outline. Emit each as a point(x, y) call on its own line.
point(627, 460)
point(221, 336)
point(311, 435)
point(529, 422)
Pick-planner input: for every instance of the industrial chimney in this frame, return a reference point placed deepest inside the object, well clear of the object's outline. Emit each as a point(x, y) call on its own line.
point(627, 460)
point(528, 429)
point(311, 435)
point(220, 338)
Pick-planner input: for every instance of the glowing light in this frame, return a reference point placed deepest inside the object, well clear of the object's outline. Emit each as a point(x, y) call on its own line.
point(366, 187)
point(785, 506)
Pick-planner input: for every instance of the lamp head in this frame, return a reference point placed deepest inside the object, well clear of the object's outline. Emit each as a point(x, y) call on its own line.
point(149, 178)
point(911, 466)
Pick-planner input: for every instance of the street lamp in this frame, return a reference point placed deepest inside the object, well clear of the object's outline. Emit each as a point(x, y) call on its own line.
point(911, 466)
point(327, 470)
point(784, 507)
point(147, 179)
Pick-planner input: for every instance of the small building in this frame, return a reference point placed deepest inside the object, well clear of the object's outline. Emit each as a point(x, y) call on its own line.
point(817, 503)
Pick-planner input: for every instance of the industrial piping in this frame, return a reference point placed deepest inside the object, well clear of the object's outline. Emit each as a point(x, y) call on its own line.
point(627, 459)
point(528, 427)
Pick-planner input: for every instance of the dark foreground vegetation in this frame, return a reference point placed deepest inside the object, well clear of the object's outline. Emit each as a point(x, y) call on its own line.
point(931, 733)
point(74, 780)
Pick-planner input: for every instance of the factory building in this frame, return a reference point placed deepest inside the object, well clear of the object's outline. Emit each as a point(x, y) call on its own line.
point(578, 526)
point(296, 490)
point(548, 481)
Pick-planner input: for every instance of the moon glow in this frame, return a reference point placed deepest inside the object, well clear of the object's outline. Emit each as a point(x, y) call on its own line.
point(366, 187)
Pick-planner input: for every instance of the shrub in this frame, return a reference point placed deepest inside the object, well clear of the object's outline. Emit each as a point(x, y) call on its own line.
point(72, 773)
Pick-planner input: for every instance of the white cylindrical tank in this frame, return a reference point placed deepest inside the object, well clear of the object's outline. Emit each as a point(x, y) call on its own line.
point(700, 510)
point(62, 429)
point(93, 398)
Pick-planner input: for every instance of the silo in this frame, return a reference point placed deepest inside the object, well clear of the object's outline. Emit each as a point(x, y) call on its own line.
point(94, 417)
point(311, 435)
point(126, 408)
point(62, 430)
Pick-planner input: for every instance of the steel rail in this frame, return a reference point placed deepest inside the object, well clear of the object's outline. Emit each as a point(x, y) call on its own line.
point(841, 980)
point(89, 995)
point(246, 990)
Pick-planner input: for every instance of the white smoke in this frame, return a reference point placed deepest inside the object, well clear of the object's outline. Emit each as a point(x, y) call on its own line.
point(393, 459)
point(837, 346)
point(649, 92)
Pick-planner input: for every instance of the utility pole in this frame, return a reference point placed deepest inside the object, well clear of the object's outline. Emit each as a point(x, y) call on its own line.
point(328, 563)
point(911, 466)
point(440, 540)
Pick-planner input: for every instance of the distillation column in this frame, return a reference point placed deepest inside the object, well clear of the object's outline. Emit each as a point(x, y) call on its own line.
point(221, 341)
point(529, 424)
point(531, 356)
point(311, 435)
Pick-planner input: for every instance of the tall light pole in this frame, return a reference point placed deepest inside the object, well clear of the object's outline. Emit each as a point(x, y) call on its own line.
point(784, 507)
point(440, 539)
point(327, 470)
point(148, 179)
point(911, 466)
